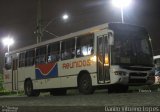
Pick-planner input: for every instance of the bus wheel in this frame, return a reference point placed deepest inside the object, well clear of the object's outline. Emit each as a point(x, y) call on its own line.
point(58, 92)
point(85, 84)
point(28, 87)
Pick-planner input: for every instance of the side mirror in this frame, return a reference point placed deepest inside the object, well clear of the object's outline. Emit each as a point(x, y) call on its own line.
point(110, 38)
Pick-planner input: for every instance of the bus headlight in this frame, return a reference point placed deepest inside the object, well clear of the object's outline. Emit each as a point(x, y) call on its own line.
point(121, 73)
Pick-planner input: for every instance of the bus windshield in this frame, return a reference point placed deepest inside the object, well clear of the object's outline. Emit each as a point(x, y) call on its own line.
point(131, 47)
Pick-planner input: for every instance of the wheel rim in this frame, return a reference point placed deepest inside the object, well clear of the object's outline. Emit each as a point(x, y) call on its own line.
point(85, 84)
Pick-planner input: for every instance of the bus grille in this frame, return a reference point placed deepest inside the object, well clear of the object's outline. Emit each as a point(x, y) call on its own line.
point(138, 74)
point(137, 68)
point(137, 80)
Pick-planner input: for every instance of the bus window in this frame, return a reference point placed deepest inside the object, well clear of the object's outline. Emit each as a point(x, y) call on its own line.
point(157, 64)
point(30, 57)
point(53, 52)
point(68, 49)
point(8, 63)
point(21, 60)
point(41, 55)
point(85, 45)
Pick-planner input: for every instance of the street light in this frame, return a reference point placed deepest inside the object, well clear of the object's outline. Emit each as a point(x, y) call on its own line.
point(64, 17)
point(8, 41)
point(40, 30)
point(121, 4)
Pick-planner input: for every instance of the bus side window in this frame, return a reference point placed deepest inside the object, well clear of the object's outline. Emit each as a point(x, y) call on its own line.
point(53, 52)
point(30, 57)
point(21, 60)
point(85, 45)
point(8, 63)
point(157, 63)
point(41, 55)
point(68, 49)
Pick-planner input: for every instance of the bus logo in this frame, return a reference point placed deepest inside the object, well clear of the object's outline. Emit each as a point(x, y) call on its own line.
point(76, 64)
point(48, 70)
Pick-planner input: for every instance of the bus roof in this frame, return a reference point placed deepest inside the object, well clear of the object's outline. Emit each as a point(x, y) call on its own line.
point(78, 33)
point(74, 34)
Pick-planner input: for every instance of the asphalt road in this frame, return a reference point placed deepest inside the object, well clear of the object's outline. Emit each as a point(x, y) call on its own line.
point(75, 101)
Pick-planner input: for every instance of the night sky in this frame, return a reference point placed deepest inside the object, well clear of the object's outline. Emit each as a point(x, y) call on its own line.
point(18, 18)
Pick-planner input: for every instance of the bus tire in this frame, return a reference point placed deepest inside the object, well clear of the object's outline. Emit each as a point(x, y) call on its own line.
point(85, 84)
point(28, 87)
point(58, 92)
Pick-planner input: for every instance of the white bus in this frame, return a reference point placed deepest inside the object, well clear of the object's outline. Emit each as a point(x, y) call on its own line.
point(112, 55)
point(157, 68)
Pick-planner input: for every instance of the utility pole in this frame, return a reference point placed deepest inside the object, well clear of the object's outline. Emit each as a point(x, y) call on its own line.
point(39, 32)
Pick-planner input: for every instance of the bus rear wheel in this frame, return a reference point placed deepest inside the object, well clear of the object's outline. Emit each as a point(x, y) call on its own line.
point(28, 87)
point(85, 84)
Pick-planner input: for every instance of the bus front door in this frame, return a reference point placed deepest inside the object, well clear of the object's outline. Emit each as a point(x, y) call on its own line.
point(15, 75)
point(103, 59)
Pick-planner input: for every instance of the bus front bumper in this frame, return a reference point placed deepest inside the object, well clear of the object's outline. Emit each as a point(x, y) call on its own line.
point(135, 80)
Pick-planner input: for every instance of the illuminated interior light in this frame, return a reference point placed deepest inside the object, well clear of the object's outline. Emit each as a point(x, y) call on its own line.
point(85, 53)
point(93, 58)
point(106, 64)
point(106, 59)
